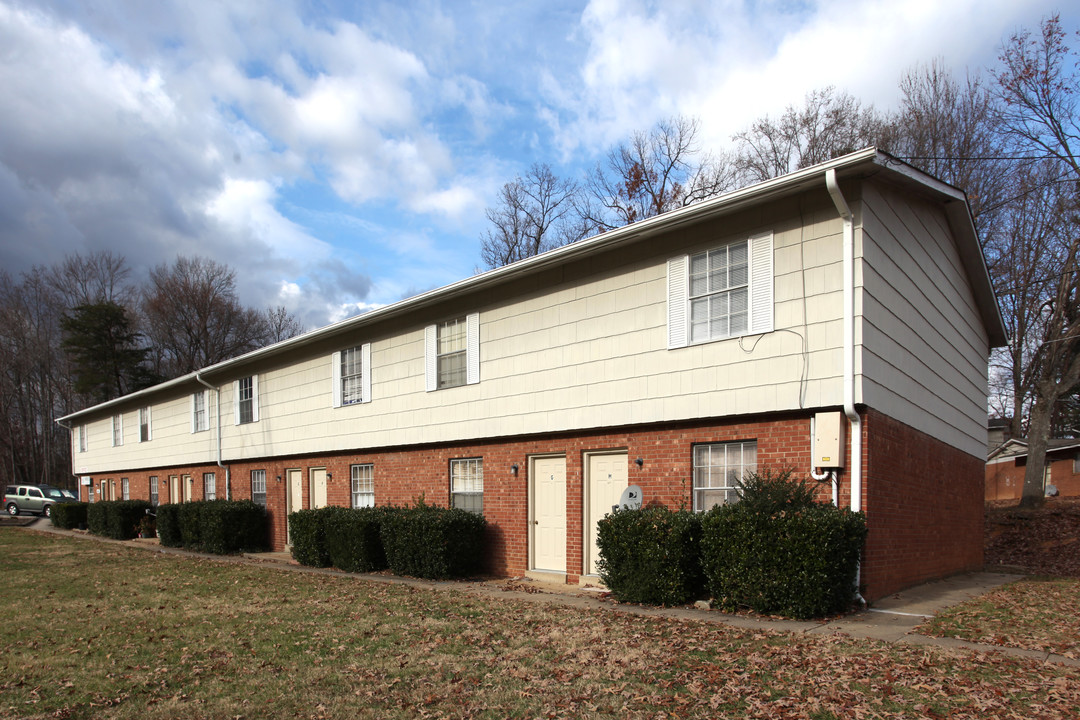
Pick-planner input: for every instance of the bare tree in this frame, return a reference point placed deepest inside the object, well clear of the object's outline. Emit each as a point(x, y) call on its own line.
point(1038, 86)
point(533, 214)
point(98, 277)
point(828, 124)
point(656, 171)
point(194, 318)
point(281, 324)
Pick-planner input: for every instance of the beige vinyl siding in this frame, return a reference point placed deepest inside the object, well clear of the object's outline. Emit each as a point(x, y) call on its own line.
point(925, 349)
point(579, 346)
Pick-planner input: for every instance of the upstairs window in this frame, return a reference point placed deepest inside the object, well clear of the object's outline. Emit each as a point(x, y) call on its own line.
point(363, 486)
point(82, 438)
point(351, 372)
point(467, 485)
point(199, 419)
point(246, 400)
point(452, 353)
point(117, 430)
point(144, 424)
point(723, 292)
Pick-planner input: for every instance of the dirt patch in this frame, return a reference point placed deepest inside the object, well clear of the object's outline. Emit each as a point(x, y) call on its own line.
point(1043, 541)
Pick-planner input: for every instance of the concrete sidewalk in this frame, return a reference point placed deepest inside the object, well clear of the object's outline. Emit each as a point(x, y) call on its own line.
point(892, 619)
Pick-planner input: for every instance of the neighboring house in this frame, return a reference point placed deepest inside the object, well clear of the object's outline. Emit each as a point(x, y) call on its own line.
point(1007, 464)
point(674, 354)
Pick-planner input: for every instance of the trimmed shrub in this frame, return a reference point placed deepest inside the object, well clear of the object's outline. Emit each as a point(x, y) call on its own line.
point(116, 519)
point(232, 526)
point(779, 552)
point(168, 525)
point(68, 516)
point(307, 531)
point(651, 555)
point(433, 542)
point(353, 538)
point(191, 523)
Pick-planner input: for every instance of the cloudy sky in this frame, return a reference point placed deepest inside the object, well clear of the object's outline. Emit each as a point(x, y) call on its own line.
point(340, 156)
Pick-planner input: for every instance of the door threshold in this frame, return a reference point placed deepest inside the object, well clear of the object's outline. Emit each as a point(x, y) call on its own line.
point(548, 576)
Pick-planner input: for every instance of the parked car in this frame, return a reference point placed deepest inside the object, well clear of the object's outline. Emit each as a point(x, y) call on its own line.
point(36, 499)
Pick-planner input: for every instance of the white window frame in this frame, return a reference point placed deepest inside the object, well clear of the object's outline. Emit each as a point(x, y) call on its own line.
point(759, 303)
point(239, 400)
point(351, 388)
point(144, 424)
point(716, 468)
point(154, 497)
point(118, 430)
point(467, 484)
point(472, 352)
point(258, 480)
point(82, 438)
point(209, 483)
point(362, 477)
point(125, 489)
point(202, 396)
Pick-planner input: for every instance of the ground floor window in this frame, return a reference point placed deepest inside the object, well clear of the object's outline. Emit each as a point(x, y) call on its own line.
point(153, 490)
point(363, 486)
point(125, 489)
point(209, 486)
point(717, 468)
point(467, 484)
point(258, 487)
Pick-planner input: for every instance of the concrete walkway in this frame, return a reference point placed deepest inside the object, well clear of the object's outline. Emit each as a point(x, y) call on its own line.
point(892, 619)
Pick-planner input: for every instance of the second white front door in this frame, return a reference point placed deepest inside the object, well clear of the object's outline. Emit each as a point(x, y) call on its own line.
point(607, 478)
point(548, 530)
point(318, 488)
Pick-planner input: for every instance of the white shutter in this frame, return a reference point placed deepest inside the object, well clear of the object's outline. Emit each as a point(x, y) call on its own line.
point(255, 398)
point(431, 358)
point(365, 372)
point(193, 428)
point(236, 401)
point(761, 283)
point(472, 348)
point(149, 423)
point(335, 385)
point(677, 283)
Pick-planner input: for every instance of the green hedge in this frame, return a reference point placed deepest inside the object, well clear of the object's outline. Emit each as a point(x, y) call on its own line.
point(191, 523)
point(68, 516)
point(168, 525)
point(779, 552)
point(651, 555)
point(308, 536)
point(117, 519)
point(231, 526)
point(353, 538)
point(433, 542)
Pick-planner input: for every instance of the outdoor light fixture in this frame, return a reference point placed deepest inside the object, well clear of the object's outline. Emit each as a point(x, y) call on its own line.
point(514, 468)
point(279, 478)
point(329, 476)
point(640, 462)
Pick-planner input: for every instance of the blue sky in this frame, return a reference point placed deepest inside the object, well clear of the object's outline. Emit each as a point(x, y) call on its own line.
point(340, 156)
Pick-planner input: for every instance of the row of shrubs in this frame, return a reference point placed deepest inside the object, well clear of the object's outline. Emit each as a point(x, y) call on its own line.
point(776, 551)
point(68, 516)
point(422, 541)
point(222, 527)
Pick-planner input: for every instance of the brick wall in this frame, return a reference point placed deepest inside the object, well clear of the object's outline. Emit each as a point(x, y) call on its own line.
point(924, 507)
point(1005, 480)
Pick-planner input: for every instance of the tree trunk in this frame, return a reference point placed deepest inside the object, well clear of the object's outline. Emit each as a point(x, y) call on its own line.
point(1038, 437)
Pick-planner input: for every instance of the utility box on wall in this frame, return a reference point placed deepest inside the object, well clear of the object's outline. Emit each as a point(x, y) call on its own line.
point(828, 440)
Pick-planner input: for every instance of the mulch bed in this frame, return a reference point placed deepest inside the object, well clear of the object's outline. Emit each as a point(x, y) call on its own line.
point(1043, 541)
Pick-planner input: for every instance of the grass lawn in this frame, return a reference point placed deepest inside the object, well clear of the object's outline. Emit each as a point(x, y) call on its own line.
point(1035, 613)
point(94, 630)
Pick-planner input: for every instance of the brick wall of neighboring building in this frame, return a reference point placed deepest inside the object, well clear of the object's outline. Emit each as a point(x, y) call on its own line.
point(923, 498)
point(1005, 480)
point(924, 507)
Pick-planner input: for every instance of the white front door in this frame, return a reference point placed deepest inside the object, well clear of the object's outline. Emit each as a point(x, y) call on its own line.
point(547, 536)
point(294, 495)
point(318, 488)
point(188, 485)
point(174, 489)
point(606, 482)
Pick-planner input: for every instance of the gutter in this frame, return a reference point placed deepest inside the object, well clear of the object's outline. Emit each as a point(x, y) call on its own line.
point(849, 347)
point(217, 408)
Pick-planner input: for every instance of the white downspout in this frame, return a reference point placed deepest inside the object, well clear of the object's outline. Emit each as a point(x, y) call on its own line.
point(849, 346)
point(217, 407)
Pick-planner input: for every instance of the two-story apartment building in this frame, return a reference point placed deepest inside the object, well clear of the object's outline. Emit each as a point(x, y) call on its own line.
point(673, 354)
